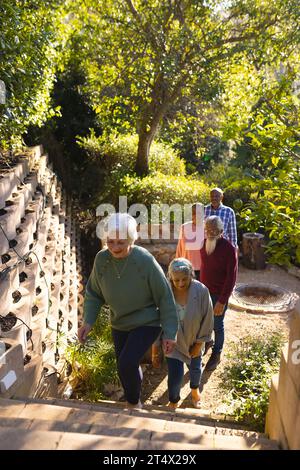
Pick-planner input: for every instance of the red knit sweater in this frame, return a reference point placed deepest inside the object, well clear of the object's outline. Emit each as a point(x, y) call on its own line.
point(219, 269)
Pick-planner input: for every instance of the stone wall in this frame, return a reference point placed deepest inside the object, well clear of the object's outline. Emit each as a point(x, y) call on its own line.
point(283, 417)
point(39, 283)
point(160, 240)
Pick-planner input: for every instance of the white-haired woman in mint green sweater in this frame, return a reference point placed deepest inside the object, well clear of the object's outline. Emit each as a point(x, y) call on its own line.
point(130, 281)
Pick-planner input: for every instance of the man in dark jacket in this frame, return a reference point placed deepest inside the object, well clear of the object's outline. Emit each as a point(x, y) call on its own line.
point(218, 274)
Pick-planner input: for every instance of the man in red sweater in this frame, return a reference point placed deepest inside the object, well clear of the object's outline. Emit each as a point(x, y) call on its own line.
point(218, 274)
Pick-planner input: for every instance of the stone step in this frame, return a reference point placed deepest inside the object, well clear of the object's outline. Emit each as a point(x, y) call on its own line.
point(23, 439)
point(121, 424)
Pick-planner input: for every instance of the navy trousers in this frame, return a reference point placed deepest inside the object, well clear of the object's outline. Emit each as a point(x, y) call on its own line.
point(130, 347)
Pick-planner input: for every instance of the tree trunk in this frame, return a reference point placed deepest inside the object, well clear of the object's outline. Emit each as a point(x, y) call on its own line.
point(152, 115)
point(142, 161)
point(253, 251)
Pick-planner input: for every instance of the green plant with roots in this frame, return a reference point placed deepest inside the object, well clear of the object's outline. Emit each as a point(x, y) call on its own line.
point(94, 364)
point(247, 377)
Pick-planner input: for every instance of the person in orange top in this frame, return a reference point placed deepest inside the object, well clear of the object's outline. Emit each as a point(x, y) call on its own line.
point(191, 238)
point(190, 241)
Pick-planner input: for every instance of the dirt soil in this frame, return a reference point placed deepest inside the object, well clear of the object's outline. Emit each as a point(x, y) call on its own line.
point(238, 324)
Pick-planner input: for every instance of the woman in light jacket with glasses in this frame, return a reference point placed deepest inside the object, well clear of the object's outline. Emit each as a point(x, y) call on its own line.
point(196, 321)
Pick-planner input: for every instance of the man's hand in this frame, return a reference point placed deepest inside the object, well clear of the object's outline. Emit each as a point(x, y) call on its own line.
point(218, 309)
point(195, 350)
point(83, 331)
point(168, 345)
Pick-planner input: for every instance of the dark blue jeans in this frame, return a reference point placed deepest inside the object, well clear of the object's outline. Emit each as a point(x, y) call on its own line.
point(218, 327)
point(175, 376)
point(130, 347)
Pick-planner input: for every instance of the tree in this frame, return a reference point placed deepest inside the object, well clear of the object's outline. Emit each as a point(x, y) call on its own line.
point(32, 38)
point(142, 56)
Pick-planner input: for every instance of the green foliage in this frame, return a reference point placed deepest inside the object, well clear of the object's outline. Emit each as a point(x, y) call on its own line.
point(94, 364)
point(247, 378)
point(114, 156)
point(275, 212)
point(164, 159)
point(164, 189)
point(32, 39)
point(142, 57)
point(119, 151)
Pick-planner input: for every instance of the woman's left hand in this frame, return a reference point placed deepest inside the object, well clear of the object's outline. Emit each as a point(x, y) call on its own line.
point(218, 309)
point(195, 350)
point(168, 345)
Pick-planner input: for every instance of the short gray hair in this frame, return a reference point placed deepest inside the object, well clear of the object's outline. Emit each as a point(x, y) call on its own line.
point(179, 265)
point(218, 190)
point(122, 224)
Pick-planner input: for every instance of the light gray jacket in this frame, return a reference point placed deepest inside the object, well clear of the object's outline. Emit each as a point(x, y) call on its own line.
point(198, 322)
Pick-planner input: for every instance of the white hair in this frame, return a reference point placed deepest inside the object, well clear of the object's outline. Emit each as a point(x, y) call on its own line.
point(120, 224)
point(215, 221)
point(218, 190)
point(180, 265)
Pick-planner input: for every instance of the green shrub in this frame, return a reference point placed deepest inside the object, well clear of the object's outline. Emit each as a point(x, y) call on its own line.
point(275, 213)
point(222, 174)
point(247, 378)
point(164, 189)
point(121, 151)
point(94, 364)
point(233, 181)
point(164, 159)
point(115, 156)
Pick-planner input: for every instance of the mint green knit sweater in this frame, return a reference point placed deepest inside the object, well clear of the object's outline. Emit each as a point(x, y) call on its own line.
point(141, 297)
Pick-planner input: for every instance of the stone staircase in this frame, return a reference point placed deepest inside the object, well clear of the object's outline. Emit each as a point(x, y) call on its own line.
point(55, 424)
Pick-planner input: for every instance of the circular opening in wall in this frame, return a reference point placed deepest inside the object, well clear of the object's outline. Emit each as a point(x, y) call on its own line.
point(7, 322)
point(34, 310)
point(7, 346)
point(262, 298)
point(22, 276)
point(5, 258)
point(9, 203)
point(27, 359)
point(12, 243)
point(16, 295)
point(38, 290)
